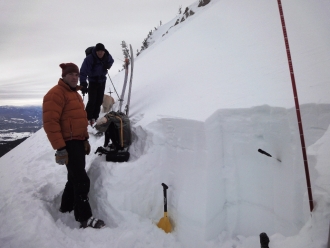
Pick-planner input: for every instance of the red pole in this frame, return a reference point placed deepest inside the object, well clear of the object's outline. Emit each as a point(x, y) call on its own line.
point(301, 131)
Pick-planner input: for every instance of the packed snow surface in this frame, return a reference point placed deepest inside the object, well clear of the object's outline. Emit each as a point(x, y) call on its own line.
point(207, 94)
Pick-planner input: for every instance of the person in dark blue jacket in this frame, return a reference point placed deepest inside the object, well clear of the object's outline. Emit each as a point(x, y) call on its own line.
point(94, 69)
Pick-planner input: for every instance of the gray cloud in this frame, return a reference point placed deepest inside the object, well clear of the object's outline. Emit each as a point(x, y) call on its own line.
point(36, 36)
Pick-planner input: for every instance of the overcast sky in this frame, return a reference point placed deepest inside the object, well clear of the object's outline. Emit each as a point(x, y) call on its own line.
point(36, 36)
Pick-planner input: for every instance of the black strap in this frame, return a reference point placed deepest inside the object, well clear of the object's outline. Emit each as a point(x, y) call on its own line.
point(101, 151)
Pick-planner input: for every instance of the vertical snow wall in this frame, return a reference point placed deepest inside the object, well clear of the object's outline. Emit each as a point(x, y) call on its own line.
point(219, 182)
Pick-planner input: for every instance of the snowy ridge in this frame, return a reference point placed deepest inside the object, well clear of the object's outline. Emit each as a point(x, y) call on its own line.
point(205, 98)
point(174, 24)
point(13, 136)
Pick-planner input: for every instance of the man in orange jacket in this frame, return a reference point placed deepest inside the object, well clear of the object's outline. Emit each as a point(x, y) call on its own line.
point(65, 123)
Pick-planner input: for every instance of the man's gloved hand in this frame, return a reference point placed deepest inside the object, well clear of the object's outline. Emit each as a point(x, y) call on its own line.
point(107, 66)
point(87, 147)
point(84, 89)
point(61, 156)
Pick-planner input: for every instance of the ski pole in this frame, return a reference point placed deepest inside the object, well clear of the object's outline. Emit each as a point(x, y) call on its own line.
point(267, 154)
point(113, 85)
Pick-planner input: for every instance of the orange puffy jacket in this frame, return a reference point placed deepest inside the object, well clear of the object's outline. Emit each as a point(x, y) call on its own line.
point(64, 116)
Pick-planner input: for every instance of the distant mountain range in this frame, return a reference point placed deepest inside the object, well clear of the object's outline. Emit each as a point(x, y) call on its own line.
point(17, 124)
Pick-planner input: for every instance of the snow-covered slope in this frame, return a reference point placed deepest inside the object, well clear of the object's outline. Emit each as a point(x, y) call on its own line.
point(206, 96)
point(232, 55)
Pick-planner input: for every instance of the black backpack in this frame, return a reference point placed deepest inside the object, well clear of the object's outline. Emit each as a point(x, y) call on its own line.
point(117, 128)
point(89, 50)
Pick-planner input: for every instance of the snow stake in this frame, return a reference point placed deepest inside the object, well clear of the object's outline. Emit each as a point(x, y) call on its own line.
point(264, 240)
point(267, 154)
point(295, 94)
point(164, 223)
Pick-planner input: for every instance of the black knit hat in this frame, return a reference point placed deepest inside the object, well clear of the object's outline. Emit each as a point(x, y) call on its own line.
point(99, 47)
point(68, 68)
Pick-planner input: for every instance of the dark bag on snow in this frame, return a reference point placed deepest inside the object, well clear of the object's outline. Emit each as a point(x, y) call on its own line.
point(113, 155)
point(117, 156)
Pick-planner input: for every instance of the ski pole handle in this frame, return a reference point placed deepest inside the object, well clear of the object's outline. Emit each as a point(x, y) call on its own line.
point(263, 152)
point(165, 187)
point(267, 154)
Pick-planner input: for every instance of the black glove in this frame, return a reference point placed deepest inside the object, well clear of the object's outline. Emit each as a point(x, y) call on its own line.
point(84, 89)
point(107, 66)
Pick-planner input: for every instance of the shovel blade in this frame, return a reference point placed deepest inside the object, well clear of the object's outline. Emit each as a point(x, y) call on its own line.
point(164, 223)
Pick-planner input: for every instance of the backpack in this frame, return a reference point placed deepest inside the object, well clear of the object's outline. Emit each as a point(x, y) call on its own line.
point(89, 50)
point(116, 127)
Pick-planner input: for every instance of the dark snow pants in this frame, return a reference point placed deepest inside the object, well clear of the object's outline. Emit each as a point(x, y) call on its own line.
point(75, 195)
point(95, 99)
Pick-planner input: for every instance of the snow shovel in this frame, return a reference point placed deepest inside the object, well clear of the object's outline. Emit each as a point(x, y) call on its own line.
point(164, 223)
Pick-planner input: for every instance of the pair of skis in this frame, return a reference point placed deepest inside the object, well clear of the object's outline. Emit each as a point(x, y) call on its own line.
point(128, 61)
